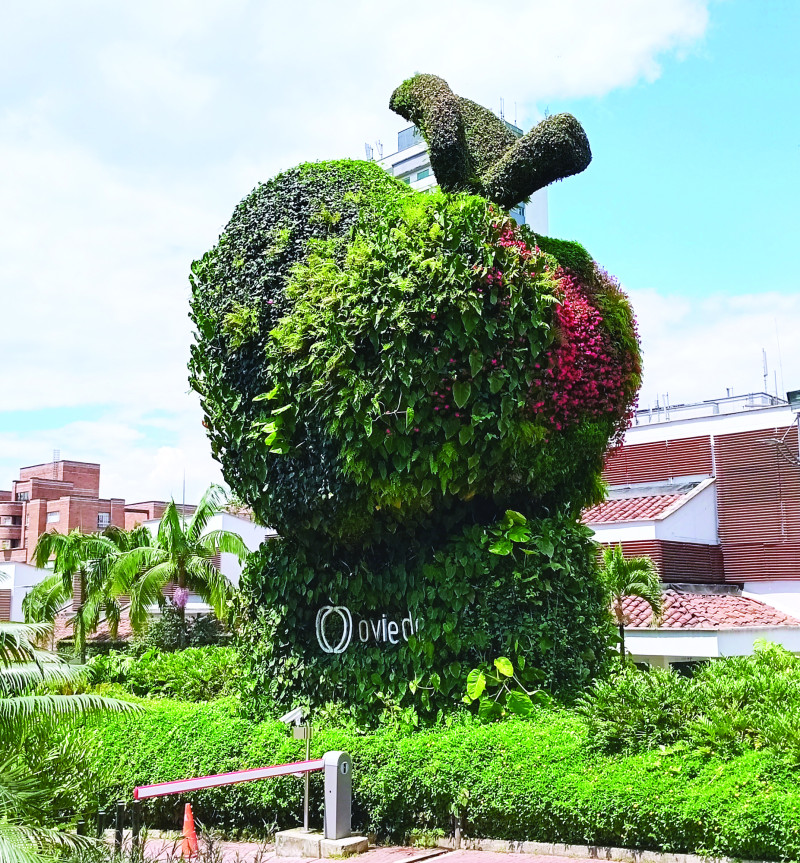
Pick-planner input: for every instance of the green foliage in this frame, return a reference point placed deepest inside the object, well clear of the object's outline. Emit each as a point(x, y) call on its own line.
point(394, 402)
point(181, 553)
point(473, 150)
point(543, 603)
point(571, 256)
point(38, 775)
point(193, 674)
point(728, 707)
point(500, 692)
point(171, 631)
point(240, 324)
point(517, 780)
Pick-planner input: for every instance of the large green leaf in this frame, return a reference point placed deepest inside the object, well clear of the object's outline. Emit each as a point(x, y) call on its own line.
point(476, 683)
point(504, 666)
point(461, 392)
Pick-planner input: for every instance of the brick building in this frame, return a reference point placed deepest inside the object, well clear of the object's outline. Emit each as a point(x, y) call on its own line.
point(61, 496)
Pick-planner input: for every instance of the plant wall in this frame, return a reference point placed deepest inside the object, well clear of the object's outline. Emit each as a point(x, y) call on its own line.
point(384, 374)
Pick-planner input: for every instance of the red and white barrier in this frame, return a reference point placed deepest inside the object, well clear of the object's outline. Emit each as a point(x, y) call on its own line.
point(161, 789)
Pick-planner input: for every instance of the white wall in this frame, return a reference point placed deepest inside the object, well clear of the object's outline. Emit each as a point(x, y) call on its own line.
point(19, 578)
point(719, 424)
point(695, 520)
point(680, 645)
point(783, 595)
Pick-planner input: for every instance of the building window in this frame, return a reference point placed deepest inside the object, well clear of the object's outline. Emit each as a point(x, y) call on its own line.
point(425, 172)
point(407, 180)
point(14, 543)
point(53, 517)
point(103, 520)
point(15, 520)
point(5, 519)
point(23, 495)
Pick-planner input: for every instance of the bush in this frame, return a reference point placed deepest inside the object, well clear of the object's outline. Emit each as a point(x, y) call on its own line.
point(193, 674)
point(728, 707)
point(532, 780)
point(169, 631)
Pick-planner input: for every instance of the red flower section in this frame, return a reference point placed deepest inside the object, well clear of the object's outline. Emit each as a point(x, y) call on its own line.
point(584, 374)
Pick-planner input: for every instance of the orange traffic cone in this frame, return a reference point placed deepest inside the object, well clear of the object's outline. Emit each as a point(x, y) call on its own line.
point(189, 846)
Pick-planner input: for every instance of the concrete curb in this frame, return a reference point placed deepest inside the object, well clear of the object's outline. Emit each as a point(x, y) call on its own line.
point(595, 852)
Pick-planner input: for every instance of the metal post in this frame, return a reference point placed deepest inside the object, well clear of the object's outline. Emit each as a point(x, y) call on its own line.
point(101, 822)
point(338, 794)
point(119, 827)
point(305, 781)
point(80, 828)
point(136, 825)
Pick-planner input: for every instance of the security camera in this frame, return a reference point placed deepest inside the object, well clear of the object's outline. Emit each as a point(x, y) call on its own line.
point(293, 717)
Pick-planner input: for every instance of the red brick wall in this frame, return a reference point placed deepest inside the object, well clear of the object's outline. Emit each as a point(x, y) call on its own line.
point(84, 476)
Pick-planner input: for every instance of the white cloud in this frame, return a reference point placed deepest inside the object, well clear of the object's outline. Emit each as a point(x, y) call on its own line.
point(140, 459)
point(695, 349)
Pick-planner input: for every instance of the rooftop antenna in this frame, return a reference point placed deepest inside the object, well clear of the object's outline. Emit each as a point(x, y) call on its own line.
point(766, 369)
point(502, 108)
point(379, 148)
point(368, 150)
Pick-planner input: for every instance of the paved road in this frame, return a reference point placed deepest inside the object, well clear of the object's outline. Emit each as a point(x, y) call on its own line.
point(250, 852)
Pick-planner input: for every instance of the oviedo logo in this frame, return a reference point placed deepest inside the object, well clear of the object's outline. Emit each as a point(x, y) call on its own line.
point(336, 628)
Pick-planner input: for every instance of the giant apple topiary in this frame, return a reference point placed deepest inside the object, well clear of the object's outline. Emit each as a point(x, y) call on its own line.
point(384, 373)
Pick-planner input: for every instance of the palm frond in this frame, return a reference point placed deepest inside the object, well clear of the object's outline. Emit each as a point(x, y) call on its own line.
point(44, 601)
point(17, 712)
point(204, 579)
point(208, 507)
point(225, 541)
point(22, 842)
point(18, 641)
point(18, 678)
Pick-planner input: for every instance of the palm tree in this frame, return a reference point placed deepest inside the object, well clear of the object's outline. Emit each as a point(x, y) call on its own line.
point(46, 599)
point(86, 557)
point(181, 552)
point(634, 576)
point(30, 785)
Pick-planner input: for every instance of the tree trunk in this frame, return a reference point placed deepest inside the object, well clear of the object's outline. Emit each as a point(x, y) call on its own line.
point(622, 644)
point(182, 615)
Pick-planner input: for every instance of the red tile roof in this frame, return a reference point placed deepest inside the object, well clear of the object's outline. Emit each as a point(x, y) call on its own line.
point(705, 611)
point(62, 629)
point(630, 509)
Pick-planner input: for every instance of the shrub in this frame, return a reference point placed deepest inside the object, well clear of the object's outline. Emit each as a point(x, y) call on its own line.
point(193, 674)
point(524, 780)
point(728, 706)
point(169, 631)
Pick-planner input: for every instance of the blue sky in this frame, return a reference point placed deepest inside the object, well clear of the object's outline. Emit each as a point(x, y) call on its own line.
point(129, 132)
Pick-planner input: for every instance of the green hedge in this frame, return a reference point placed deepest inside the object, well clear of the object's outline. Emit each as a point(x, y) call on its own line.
point(522, 780)
point(192, 674)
